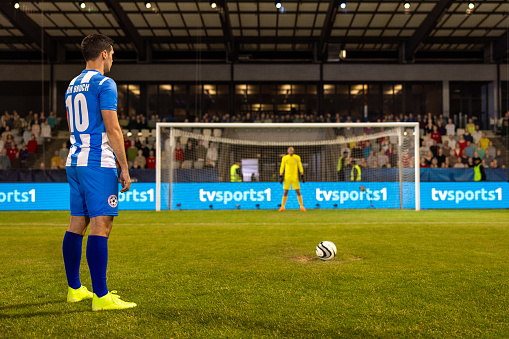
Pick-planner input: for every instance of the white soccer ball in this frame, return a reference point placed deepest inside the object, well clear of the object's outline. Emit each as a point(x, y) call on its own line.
point(326, 250)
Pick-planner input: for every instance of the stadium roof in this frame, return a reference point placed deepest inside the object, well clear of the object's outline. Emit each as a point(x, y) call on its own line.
point(250, 31)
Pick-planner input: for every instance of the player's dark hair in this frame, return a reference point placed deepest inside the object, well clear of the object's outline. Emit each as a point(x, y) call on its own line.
point(94, 44)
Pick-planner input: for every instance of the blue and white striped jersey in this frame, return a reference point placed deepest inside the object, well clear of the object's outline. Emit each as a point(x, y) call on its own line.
point(88, 94)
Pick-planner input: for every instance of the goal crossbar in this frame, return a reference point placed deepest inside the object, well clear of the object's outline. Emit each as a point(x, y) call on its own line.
point(286, 143)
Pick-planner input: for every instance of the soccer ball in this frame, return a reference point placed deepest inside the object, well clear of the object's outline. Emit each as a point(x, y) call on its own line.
point(326, 250)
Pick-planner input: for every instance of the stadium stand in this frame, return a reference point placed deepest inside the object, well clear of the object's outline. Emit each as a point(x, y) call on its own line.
point(137, 129)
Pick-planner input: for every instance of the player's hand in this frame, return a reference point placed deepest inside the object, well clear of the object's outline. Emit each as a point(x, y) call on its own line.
point(125, 180)
point(302, 180)
point(281, 179)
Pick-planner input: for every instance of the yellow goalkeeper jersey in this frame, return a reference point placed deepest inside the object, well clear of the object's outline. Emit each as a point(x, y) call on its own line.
point(291, 166)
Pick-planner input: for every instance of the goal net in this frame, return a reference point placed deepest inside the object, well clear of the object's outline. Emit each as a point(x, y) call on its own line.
point(346, 165)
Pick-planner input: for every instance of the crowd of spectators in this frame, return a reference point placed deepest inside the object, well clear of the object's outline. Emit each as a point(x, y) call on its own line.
point(189, 154)
point(198, 155)
point(140, 154)
point(442, 146)
point(436, 152)
point(21, 137)
point(60, 156)
point(139, 121)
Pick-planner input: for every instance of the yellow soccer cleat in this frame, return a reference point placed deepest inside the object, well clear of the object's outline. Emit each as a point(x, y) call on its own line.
point(110, 301)
point(303, 209)
point(281, 209)
point(79, 294)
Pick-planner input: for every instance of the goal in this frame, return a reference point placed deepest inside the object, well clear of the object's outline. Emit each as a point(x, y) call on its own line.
point(346, 165)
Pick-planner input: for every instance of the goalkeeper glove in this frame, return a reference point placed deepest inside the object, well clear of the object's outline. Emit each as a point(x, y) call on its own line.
point(302, 179)
point(281, 179)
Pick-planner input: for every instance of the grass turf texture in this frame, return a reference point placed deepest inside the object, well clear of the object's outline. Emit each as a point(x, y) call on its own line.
point(255, 274)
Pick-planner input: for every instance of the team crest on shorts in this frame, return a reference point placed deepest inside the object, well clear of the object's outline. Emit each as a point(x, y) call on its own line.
point(113, 201)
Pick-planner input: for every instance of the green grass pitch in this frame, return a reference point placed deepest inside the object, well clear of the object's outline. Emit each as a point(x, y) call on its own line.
point(245, 274)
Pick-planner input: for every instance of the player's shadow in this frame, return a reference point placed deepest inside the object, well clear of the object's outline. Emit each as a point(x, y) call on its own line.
point(16, 306)
point(28, 313)
point(31, 314)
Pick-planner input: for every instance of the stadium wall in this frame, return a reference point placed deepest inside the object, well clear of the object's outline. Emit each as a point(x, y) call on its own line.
point(266, 72)
point(330, 72)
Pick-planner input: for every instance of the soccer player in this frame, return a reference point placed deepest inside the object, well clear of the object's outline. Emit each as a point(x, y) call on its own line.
point(291, 166)
point(97, 141)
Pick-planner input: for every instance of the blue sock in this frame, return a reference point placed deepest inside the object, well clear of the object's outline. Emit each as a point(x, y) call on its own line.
point(97, 258)
point(71, 249)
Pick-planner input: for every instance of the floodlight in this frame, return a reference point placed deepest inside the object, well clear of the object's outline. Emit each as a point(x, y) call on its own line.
point(83, 5)
point(407, 5)
point(343, 5)
point(148, 4)
point(213, 4)
point(16, 5)
point(278, 4)
point(471, 5)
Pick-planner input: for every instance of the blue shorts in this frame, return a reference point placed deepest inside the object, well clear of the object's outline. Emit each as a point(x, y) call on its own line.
point(94, 190)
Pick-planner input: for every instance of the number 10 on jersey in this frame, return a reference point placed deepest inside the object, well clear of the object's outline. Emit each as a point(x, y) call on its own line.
point(78, 113)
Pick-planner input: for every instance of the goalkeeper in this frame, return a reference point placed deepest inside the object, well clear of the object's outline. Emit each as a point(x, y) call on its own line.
point(291, 166)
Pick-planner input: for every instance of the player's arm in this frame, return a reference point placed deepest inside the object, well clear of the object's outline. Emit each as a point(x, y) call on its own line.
point(301, 171)
point(68, 122)
point(282, 170)
point(116, 138)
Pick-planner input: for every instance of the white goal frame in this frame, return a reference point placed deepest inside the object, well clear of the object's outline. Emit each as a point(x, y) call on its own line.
point(399, 125)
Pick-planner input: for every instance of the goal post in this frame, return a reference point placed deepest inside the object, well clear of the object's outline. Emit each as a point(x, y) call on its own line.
point(346, 165)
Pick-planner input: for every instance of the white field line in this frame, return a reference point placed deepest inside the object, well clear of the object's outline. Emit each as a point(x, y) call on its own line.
point(267, 223)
